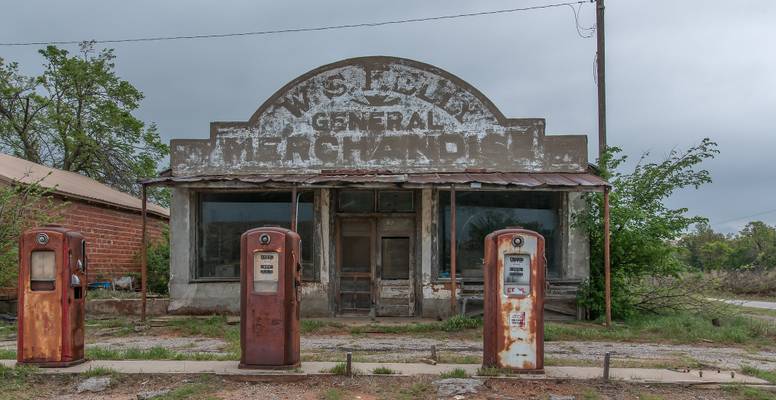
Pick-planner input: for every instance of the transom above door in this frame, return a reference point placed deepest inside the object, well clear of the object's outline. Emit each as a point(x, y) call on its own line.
point(376, 252)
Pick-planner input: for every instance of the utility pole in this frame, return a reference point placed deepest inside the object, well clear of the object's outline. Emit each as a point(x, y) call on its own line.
point(601, 74)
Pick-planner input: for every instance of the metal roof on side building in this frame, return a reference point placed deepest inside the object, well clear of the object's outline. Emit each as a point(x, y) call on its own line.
point(71, 185)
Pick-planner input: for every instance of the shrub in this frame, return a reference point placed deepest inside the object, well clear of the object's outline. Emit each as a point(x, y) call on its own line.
point(158, 256)
point(459, 322)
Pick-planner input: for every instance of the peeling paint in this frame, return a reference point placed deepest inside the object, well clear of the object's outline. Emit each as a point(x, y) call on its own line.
point(378, 112)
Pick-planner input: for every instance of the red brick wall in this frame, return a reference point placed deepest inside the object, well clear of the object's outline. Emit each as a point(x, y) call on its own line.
point(113, 237)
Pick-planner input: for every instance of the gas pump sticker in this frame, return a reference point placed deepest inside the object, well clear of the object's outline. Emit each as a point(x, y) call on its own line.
point(517, 319)
point(517, 274)
point(265, 272)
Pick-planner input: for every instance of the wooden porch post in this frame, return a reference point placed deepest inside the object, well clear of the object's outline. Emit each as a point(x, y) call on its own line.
point(143, 255)
point(607, 261)
point(453, 255)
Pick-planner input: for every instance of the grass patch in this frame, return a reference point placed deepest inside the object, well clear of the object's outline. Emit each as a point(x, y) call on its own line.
point(456, 323)
point(200, 389)
point(316, 325)
point(590, 394)
point(647, 396)
point(749, 393)
point(155, 353)
point(214, 326)
point(15, 381)
point(456, 373)
point(769, 376)
point(332, 394)
point(492, 371)
point(418, 390)
point(383, 371)
point(7, 354)
point(341, 369)
point(99, 371)
point(681, 328)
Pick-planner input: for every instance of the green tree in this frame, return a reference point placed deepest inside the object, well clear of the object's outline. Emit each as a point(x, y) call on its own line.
point(643, 228)
point(755, 246)
point(22, 206)
point(693, 243)
point(77, 116)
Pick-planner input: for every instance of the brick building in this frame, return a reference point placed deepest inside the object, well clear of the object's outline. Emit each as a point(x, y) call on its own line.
point(110, 219)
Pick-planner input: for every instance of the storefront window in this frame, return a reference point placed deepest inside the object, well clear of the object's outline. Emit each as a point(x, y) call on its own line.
point(480, 213)
point(223, 217)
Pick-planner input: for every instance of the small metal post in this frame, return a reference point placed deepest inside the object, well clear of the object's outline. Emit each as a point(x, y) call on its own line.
point(607, 360)
point(433, 352)
point(349, 365)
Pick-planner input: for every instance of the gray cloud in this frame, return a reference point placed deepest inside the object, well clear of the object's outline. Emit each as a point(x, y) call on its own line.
point(677, 71)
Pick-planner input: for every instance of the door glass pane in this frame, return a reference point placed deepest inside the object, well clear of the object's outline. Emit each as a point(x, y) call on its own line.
point(395, 201)
point(355, 254)
point(396, 257)
point(356, 201)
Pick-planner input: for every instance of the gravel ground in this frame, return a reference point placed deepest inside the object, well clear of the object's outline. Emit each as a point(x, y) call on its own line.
point(393, 348)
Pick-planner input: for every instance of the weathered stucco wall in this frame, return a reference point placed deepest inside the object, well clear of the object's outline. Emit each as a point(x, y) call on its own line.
point(378, 113)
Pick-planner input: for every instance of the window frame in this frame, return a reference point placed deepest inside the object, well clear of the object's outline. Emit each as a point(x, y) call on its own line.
point(196, 217)
point(438, 264)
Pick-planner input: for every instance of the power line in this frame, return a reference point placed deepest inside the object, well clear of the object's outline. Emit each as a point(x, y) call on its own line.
point(307, 29)
point(746, 216)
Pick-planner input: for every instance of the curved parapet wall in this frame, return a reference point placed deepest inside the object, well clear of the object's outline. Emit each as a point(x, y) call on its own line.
point(375, 113)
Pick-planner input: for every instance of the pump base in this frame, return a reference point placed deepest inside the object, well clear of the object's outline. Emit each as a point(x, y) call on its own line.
point(52, 364)
point(274, 367)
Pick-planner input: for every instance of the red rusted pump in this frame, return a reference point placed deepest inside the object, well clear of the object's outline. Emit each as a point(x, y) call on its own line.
point(52, 297)
point(514, 301)
point(270, 275)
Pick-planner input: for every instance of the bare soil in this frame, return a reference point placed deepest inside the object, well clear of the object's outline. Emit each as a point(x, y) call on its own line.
point(364, 388)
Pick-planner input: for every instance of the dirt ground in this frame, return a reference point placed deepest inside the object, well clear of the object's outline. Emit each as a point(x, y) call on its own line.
point(364, 388)
point(411, 348)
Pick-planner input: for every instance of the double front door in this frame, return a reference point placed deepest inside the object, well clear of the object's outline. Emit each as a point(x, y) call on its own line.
point(376, 265)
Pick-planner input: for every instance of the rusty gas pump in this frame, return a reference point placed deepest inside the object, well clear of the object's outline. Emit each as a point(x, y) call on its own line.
point(52, 297)
point(270, 275)
point(514, 301)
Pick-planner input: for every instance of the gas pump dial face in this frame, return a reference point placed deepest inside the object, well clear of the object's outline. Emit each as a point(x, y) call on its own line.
point(517, 274)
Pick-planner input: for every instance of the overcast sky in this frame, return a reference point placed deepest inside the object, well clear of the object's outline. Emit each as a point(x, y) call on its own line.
point(677, 71)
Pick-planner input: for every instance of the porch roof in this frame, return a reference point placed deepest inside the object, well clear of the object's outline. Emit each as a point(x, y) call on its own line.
point(565, 181)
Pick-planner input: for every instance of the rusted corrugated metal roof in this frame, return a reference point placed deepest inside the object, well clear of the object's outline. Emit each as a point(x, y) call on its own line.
point(70, 184)
point(581, 181)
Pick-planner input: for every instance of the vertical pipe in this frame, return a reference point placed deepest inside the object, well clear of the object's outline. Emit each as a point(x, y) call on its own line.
point(607, 261)
point(293, 208)
point(143, 256)
point(453, 255)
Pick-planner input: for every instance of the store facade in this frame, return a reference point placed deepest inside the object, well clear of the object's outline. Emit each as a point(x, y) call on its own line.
point(378, 163)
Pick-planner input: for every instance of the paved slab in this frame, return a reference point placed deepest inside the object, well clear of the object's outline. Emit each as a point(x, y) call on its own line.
point(767, 305)
point(642, 375)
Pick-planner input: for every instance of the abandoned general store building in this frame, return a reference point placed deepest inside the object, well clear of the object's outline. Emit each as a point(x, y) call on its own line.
point(371, 160)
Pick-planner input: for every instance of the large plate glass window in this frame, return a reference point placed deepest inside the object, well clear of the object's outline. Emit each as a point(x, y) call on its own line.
point(223, 217)
point(482, 212)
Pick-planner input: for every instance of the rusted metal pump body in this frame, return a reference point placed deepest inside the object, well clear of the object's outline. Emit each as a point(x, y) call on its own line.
point(52, 297)
point(514, 300)
point(270, 275)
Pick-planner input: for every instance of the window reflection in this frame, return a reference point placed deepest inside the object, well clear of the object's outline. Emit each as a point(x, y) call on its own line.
point(223, 217)
point(480, 213)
